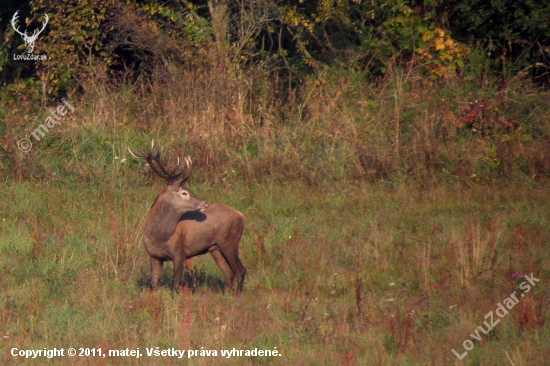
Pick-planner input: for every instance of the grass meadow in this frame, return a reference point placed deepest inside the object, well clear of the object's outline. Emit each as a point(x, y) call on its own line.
point(381, 228)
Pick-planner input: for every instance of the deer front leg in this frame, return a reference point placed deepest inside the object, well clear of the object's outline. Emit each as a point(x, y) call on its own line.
point(178, 272)
point(156, 271)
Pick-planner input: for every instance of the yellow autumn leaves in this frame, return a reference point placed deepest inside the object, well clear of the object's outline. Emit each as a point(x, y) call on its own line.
point(441, 53)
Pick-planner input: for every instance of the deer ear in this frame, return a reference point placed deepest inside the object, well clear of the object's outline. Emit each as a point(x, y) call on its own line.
point(175, 185)
point(182, 183)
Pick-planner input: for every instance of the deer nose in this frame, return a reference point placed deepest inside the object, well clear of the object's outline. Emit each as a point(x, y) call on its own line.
point(205, 205)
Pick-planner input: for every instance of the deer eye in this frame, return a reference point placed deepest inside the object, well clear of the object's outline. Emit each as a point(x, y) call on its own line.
point(184, 193)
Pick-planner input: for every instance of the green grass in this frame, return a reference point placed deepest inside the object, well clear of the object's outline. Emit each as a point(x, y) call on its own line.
point(347, 274)
point(380, 227)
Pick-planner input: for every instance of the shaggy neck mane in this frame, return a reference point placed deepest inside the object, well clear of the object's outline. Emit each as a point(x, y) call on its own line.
point(161, 221)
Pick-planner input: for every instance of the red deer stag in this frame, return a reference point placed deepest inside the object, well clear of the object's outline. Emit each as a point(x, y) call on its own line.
point(180, 225)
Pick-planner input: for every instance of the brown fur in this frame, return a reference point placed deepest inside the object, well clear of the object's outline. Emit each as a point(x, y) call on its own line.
point(175, 231)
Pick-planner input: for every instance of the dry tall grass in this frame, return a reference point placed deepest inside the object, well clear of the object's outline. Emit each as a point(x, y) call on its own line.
point(332, 127)
point(383, 224)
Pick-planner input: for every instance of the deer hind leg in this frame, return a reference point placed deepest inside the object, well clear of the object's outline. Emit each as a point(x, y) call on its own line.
point(156, 271)
point(231, 254)
point(224, 266)
point(189, 265)
point(241, 269)
point(242, 273)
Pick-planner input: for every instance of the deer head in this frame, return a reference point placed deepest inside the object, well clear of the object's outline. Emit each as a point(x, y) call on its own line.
point(29, 40)
point(175, 196)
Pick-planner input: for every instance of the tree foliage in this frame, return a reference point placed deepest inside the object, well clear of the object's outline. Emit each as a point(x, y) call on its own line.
point(85, 38)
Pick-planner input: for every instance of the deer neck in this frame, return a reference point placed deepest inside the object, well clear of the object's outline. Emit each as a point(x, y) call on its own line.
point(161, 221)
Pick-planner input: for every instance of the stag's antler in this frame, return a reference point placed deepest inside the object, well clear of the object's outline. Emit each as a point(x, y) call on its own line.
point(159, 169)
point(35, 33)
point(15, 16)
point(44, 23)
point(29, 40)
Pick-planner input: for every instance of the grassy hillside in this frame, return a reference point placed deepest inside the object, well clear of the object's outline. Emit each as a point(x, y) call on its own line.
point(337, 274)
point(383, 222)
point(392, 160)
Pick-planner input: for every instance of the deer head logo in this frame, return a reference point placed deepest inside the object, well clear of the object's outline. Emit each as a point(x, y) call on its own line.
point(29, 40)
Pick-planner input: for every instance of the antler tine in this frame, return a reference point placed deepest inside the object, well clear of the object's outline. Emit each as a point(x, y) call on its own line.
point(158, 160)
point(13, 19)
point(171, 175)
point(150, 158)
point(159, 149)
point(44, 23)
point(189, 167)
point(159, 168)
point(139, 155)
